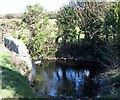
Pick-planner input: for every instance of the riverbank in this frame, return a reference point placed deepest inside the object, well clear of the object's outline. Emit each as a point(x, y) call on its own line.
point(109, 80)
point(110, 88)
point(14, 84)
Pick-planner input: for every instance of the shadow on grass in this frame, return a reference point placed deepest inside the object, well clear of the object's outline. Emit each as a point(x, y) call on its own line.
point(14, 82)
point(13, 79)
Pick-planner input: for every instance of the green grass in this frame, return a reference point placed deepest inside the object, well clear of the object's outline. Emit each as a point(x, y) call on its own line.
point(14, 85)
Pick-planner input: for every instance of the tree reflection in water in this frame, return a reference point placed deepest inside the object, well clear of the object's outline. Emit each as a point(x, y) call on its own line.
point(62, 80)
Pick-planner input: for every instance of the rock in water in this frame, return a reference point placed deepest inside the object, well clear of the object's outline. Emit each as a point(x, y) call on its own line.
point(38, 62)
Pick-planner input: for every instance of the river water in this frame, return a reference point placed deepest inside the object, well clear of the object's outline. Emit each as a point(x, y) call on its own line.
point(65, 79)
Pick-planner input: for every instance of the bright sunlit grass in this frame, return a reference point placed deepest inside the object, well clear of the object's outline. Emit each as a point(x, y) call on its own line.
point(7, 93)
point(14, 85)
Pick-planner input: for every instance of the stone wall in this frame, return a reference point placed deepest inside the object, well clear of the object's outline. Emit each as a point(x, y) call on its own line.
point(18, 47)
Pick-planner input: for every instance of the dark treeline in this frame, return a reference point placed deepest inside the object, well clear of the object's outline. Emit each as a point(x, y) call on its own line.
point(90, 30)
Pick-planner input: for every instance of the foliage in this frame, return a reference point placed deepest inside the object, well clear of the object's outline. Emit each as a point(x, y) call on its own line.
point(67, 23)
point(97, 21)
point(72, 22)
point(111, 21)
point(7, 26)
point(38, 32)
point(44, 40)
point(87, 28)
point(10, 16)
point(32, 14)
point(91, 17)
point(112, 27)
point(50, 14)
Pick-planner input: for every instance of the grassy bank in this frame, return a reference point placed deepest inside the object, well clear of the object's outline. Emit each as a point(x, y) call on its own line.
point(111, 87)
point(14, 85)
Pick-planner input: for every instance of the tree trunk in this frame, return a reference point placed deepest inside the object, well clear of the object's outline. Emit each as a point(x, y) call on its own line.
point(78, 38)
point(119, 56)
point(94, 39)
point(107, 37)
point(64, 40)
point(87, 37)
point(57, 38)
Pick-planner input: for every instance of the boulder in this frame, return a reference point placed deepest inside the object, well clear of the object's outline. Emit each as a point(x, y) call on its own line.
point(18, 47)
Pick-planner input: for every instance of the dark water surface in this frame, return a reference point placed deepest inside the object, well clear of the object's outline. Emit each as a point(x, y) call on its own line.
point(67, 80)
